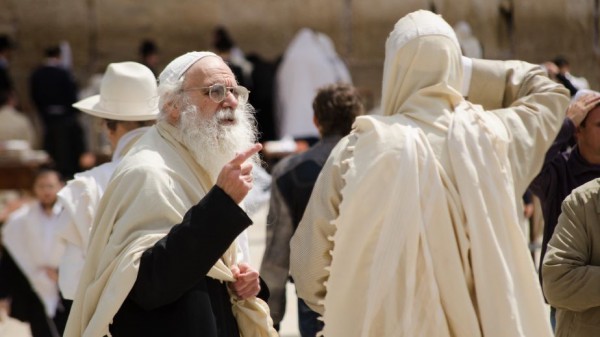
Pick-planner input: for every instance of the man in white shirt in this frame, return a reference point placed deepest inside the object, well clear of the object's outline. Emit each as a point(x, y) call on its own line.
point(30, 256)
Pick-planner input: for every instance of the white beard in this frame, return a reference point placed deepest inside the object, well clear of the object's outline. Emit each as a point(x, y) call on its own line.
point(212, 143)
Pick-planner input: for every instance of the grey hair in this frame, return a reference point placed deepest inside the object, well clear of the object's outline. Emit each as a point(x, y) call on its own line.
point(169, 93)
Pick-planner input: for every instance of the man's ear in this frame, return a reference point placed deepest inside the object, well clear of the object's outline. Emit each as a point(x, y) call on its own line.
point(173, 111)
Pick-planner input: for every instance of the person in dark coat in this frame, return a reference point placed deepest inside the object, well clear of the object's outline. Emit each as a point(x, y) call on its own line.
point(53, 91)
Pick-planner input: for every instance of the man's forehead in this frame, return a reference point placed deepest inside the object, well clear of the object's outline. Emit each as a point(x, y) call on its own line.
point(209, 70)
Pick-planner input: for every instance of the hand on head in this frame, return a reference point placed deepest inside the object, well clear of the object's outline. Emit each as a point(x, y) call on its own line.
point(236, 176)
point(551, 69)
point(579, 109)
point(246, 282)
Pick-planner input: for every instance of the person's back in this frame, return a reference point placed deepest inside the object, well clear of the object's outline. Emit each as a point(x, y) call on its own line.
point(414, 249)
point(124, 127)
point(15, 125)
point(336, 106)
point(53, 91)
point(308, 63)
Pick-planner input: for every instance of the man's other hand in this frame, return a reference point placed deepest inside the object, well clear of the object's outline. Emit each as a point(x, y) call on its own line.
point(247, 283)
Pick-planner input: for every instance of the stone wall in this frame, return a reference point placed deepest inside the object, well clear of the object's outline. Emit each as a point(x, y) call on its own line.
point(103, 31)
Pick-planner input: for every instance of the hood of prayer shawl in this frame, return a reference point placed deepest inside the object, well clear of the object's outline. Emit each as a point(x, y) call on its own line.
point(423, 67)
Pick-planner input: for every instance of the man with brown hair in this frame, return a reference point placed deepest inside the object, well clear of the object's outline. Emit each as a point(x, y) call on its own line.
point(335, 108)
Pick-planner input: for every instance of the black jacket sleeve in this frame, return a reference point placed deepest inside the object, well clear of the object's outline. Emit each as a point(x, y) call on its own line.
point(181, 259)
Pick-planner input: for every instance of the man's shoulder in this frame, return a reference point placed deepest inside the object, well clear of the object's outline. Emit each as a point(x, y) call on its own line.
point(585, 193)
point(22, 212)
point(99, 175)
point(98, 171)
point(295, 162)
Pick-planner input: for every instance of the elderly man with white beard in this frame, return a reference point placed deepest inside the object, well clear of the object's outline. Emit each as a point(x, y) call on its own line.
point(163, 258)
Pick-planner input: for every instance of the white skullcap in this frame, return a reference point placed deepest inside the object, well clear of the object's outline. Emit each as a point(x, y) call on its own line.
point(180, 65)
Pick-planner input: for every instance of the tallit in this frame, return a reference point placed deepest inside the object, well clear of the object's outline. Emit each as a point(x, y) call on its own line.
point(133, 216)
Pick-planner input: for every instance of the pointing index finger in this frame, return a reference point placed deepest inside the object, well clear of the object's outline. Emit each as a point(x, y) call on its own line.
point(241, 157)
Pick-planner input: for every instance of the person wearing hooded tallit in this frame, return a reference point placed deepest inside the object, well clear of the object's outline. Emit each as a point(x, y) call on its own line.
point(309, 62)
point(162, 258)
point(412, 227)
point(127, 104)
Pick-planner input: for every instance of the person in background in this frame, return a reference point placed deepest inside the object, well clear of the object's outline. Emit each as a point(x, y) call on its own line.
point(29, 260)
point(53, 91)
point(150, 55)
point(335, 106)
point(224, 46)
point(14, 125)
point(564, 69)
point(127, 103)
point(309, 62)
point(566, 167)
point(570, 266)
point(412, 228)
point(6, 48)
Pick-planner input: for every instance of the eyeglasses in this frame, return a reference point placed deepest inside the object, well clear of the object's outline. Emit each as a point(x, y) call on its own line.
point(218, 92)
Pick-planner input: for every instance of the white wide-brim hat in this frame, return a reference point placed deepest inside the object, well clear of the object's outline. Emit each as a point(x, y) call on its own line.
point(127, 93)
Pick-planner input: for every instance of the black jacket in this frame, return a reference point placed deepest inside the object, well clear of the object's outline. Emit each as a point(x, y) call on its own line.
point(172, 295)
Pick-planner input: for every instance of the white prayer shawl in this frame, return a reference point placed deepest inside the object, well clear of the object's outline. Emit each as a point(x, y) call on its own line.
point(427, 240)
point(31, 237)
point(80, 198)
point(151, 190)
point(309, 63)
point(11, 327)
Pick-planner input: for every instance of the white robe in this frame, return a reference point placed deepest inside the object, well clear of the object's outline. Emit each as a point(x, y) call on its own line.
point(412, 228)
point(309, 63)
point(31, 237)
point(80, 198)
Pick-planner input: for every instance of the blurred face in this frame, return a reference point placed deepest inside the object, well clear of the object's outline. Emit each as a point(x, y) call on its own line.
point(46, 187)
point(588, 137)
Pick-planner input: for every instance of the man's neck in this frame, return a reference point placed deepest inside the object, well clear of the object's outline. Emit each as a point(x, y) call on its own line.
point(590, 158)
point(48, 208)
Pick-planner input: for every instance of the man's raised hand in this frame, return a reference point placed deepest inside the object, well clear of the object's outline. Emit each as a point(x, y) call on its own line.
point(236, 176)
point(579, 109)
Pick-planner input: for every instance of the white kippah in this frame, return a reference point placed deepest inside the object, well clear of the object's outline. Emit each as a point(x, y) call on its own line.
point(180, 65)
